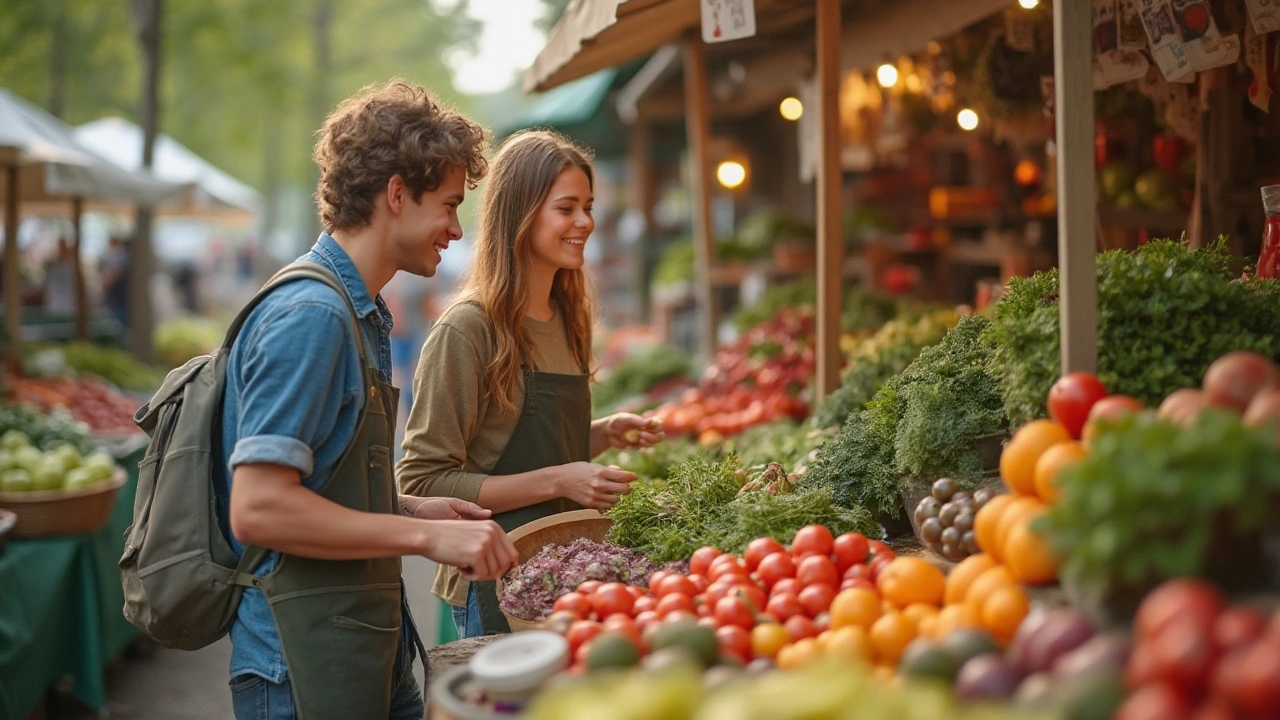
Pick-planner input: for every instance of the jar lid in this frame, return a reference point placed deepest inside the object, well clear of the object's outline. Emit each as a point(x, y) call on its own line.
point(521, 661)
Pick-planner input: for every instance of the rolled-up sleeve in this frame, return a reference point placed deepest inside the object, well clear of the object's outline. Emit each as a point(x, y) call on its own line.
point(446, 413)
point(292, 385)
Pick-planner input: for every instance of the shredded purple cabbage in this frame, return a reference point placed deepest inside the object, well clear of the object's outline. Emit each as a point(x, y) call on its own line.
point(530, 590)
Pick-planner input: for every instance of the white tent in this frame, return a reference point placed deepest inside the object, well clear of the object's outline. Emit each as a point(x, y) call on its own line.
point(120, 141)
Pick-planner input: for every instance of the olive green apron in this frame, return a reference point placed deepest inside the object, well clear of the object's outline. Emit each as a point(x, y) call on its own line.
point(339, 621)
point(554, 429)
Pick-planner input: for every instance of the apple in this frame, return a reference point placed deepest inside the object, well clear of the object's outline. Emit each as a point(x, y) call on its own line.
point(7, 461)
point(27, 458)
point(102, 464)
point(14, 439)
point(15, 480)
point(48, 475)
point(69, 456)
point(82, 477)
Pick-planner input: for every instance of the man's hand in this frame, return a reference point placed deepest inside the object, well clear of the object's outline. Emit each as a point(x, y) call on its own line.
point(480, 549)
point(442, 508)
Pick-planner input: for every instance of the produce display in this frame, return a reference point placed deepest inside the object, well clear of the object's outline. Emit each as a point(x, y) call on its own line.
point(184, 337)
point(45, 431)
point(653, 369)
point(26, 468)
point(103, 408)
point(113, 365)
point(530, 591)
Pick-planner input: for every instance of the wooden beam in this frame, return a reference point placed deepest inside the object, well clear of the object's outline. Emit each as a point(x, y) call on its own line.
point(82, 300)
point(12, 298)
point(643, 199)
point(830, 180)
point(698, 130)
point(1073, 88)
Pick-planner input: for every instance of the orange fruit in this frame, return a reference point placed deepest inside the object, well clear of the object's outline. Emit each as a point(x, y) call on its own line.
point(986, 522)
point(856, 606)
point(849, 643)
point(963, 575)
point(907, 580)
point(769, 638)
point(799, 653)
point(1018, 511)
point(1029, 556)
point(1018, 460)
point(987, 583)
point(919, 612)
point(1003, 611)
point(1051, 463)
point(952, 618)
point(889, 636)
point(928, 626)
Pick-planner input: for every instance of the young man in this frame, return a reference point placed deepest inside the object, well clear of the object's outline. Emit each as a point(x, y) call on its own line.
point(328, 635)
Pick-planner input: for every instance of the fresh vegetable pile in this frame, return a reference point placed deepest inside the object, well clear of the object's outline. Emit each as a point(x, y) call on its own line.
point(113, 365)
point(531, 590)
point(45, 431)
point(103, 408)
point(25, 468)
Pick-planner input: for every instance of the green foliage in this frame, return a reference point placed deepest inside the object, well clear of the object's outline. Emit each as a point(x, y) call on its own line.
point(111, 364)
point(1146, 503)
point(637, 374)
point(655, 463)
point(767, 226)
point(786, 442)
point(864, 310)
point(1165, 312)
point(679, 258)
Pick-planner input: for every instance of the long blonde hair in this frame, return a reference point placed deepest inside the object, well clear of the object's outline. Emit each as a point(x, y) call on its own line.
point(523, 171)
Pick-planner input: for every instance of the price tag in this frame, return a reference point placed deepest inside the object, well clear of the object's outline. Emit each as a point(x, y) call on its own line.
point(1264, 15)
point(724, 20)
point(1167, 48)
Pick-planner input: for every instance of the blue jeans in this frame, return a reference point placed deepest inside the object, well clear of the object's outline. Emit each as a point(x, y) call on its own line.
point(468, 618)
point(253, 697)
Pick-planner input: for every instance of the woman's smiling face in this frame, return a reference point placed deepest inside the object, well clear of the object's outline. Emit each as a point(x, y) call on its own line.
point(563, 223)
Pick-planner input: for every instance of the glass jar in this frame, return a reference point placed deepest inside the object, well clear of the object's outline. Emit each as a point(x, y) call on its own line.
point(1269, 258)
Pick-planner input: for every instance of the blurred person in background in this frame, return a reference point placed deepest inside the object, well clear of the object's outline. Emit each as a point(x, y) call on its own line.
point(115, 281)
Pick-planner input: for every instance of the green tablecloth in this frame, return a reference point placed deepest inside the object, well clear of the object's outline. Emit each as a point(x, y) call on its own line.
point(61, 610)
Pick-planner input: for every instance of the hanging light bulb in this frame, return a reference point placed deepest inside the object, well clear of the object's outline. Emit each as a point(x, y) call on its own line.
point(791, 108)
point(887, 75)
point(731, 174)
point(967, 119)
point(1029, 4)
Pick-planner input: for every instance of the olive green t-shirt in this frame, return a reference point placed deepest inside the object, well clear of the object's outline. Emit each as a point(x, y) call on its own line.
point(455, 433)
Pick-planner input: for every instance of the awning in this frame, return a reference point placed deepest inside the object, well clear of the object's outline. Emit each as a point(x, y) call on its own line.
point(568, 105)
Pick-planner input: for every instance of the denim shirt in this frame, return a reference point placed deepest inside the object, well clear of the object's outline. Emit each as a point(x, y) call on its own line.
point(293, 396)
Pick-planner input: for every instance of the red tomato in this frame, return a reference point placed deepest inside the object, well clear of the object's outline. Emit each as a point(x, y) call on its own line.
point(775, 567)
point(734, 639)
point(1181, 599)
point(1238, 626)
point(727, 565)
point(817, 569)
point(816, 598)
point(700, 583)
point(878, 564)
point(1257, 688)
point(703, 608)
point(644, 604)
point(800, 627)
point(812, 540)
point(857, 572)
point(759, 549)
point(623, 625)
point(850, 549)
point(1072, 397)
point(574, 602)
point(612, 598)
point(676, 584)
point(589, 587)
point(680, 615)
point(701, 560)
point(645, 619)
point(734, 611)
point(858, 583)
point(1184, 653)
point(580, 655)
point(784, 607)
point(751, 594)
point(1109, 408)
point(581, 632)
point(1156, 701)
point(822, 622)
point(785, 585)
point(637, 592)
point(880, 549)
point(673, 602)
point(1141, 668)
point(656, 579)
point(719, 589)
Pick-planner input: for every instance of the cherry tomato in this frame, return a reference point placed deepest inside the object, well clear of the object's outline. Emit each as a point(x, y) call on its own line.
point(646, 618)
point(644, 604)
point(1184, 653)
point(1072, 397)
point(637, 592)
point(817, 569)
point(784, 606)
point(785, 585)
point(611, 599)
point(574, 602)
point(622, 625)
point(581, 632)
point(734, 611)
point(700, 582)
point(1156, 701)
point(759, 549)
point(775, 567)
point(656, 579)
point(1182, 599)
point(1238, 626)
point(816, 598)
point(676, 584)
point(751, 594)
point(1257, 689)
point(672, 602)
point(768, 638)
point(680, 615)
point(701, 560)
point(1108, 408)
point(879, 564)
point(812, 540)
point(880, 549)
point(857, 572)
point(850, 549)
point(735, 640)
point(726, 565)
point(858, 583)
point(589, 587)
point(708, 621)
point(800, 627)
point(822, 622)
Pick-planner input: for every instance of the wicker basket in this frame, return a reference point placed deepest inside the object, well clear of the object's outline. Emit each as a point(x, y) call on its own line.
point(559, 529)
point(47, 513)
point(7, 520)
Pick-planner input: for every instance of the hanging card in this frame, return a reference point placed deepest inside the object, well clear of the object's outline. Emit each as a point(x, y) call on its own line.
point(1167, 48)
point(1132, 35)
point(1264, 15)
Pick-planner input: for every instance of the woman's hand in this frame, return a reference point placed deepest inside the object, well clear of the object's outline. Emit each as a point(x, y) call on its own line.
point(442, 508)
point(627, 430)
point(593, 485)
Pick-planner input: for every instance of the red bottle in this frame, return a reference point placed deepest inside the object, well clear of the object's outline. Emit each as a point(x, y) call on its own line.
point(1269, 259)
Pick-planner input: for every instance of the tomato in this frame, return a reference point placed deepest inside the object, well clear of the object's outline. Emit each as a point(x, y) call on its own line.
point(727, 565)
point(676, 584)
point(880, 549)
point(750, 593)
point(679, 615)
point(644, 604)
point(645, 619)
point(703, 608)
point(623, 625)
point(850, 549)
point(768, 638)
point(784, 606)
point(734, 611)
point(673, 602)
point(1072, 397)
point(861, 571)
point(816, 598)
point(812, 540)
point(800, 627)
point(857, 583)
point(1181, 599)
point(700, 583)
point(1108, 409)
point(759, 549)
point(589, 587)
point(817, 569)
point(1156, 701)
point(574, 602)
point(1183, 653)
point(719, 589)
point(1257, 687)
point(879, 564)
point(656, 579)
point(637, 592)
point(735, 640)
point(785, 585)
point(1238, 626)
point(701, 560)
point(775, 567)
point(612, 598)
point(581, 632)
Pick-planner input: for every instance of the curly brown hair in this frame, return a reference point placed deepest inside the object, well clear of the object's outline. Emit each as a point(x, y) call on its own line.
point(396, 128)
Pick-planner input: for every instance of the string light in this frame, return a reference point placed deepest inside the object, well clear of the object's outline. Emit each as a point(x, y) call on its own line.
point(887, 75)
point(791, 108)
point(967, 119)
point(731, 174)
point(1029, 4)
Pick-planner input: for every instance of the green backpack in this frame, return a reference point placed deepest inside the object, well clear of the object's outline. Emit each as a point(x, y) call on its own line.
point(182, 581)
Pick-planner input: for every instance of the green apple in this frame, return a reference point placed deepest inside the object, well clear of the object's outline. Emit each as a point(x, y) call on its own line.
point(102, 464)
point(6, 460)
point(16, 480)
point(27, 458)
point(81, 477)
point(14, 439)
point(48, 475)
point(69, 456)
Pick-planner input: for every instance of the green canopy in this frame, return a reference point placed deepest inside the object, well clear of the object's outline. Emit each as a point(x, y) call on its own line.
point(578, 109)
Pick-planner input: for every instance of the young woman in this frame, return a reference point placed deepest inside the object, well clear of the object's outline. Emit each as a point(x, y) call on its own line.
point(502, 411)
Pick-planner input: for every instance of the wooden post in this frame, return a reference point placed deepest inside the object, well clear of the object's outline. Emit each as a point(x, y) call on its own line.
point(82, 301)
point(698, 129)
point(643, 198)
point(12, 277)
point(830, 180)
point(1073, 103)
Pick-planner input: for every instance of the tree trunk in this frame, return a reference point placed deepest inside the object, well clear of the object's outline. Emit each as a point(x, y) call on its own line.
point(322, 24)
point(147, 19)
